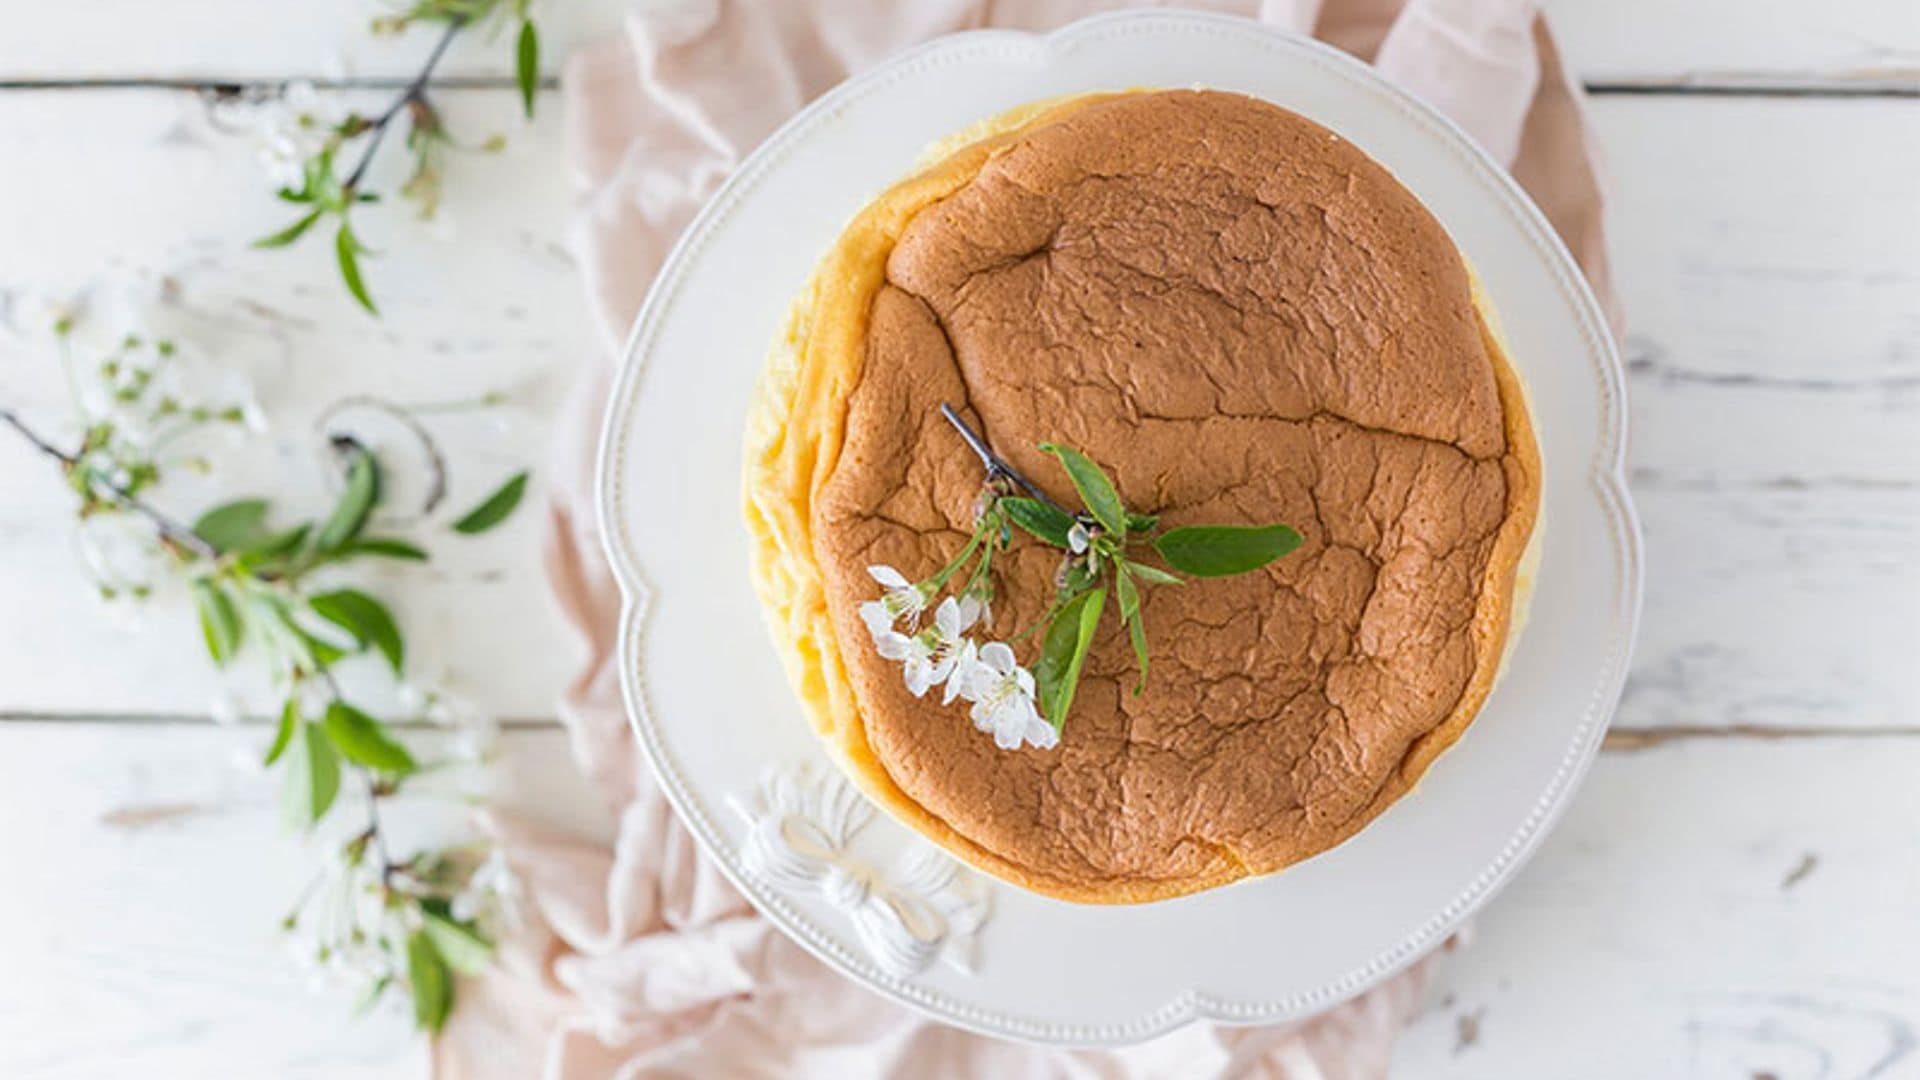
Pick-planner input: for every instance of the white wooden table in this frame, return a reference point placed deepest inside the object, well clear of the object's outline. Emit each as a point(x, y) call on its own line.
point(1735, 893)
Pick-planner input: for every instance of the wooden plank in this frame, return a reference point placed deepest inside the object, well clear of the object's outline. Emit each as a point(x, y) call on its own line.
point(140, 917)
point(1767, 245)
point(128, 183)
point(1723, 908)
point(1861, 44)
point(1764, 253)
point(1844, 43)
point(1697, 897)
point(229, 41)
point(1777, 606)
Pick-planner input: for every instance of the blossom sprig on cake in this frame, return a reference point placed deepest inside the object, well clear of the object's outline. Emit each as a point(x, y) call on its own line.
point(999, 692)
point(1100, 547)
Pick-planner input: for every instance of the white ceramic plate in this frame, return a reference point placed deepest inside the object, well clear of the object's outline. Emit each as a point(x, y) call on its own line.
point(707, 695)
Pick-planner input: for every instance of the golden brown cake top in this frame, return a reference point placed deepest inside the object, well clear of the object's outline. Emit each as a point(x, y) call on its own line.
point(1245, 319)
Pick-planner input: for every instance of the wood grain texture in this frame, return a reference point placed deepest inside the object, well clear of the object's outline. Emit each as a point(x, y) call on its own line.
point(1751, 44)
point(1725, 909)
point(1766, 257)
point(139, 917)
point(131, 183)
point(1704, 908)
point(234, 40)
point(1859, 44)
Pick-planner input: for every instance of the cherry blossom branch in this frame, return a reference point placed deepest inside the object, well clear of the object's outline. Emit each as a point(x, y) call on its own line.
point(169, 529)
point(415, 91)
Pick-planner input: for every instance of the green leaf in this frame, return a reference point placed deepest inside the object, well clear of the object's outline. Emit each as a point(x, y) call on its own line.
point(526, 64)
point(495, 508)
point(233, 526)
point(291, 233)
point(1064, 653)
point(274, 554)
point(1078, 579)
point(313, 777)
point(385, 547)
point(347, 248)
point(1137, 633)
point(365, 741)
point(219, 621)
point(1139, 523)
point(1043, 521)
point(1125, 592)
point(1095, 489)
point(366, 618)
point(280, 543)
point(459, 944)
point(1221, 550)
point(430, 980)
point(282, 736)
point(322, 652)
point(1129, 597)
point(372, 995)
point(356, 502)
point(1152, 574)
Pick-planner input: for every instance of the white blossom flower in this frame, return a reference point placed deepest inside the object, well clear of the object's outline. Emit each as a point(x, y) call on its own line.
point(292, 129)
point(252, 416)
point(1078, 539)
point(1002, 695)
point(930, 656)
point(38, 316)
point(120, 554)
point(492, 896)
point(340, 934)
point(408, 697)
point(476, 733)
point(903, 598)
point(964, 661)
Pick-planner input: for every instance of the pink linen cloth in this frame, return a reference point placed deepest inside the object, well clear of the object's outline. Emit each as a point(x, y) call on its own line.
point(641, 961)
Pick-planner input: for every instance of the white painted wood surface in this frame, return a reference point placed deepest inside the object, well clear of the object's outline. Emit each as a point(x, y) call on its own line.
point(1768, 256)
point(139, 910)
point(1761, 42)
point(1734, 894)
point(1737, 908)
point(141, 182)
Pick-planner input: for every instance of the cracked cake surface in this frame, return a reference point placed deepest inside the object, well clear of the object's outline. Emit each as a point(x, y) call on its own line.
point(1244, 319)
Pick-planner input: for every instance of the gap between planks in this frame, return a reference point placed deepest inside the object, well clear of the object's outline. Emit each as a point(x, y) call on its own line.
point(214, 85)
point(1893, 84)
point(112, 719)
point(1620, 739)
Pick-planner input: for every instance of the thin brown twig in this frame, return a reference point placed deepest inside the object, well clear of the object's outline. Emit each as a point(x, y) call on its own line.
point(378, 836)
point(169, 529)
point(372, 834)
point(414, 91)
point(997, 467)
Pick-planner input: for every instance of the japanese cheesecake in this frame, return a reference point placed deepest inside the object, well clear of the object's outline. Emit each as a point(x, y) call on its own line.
point(1244, 319)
